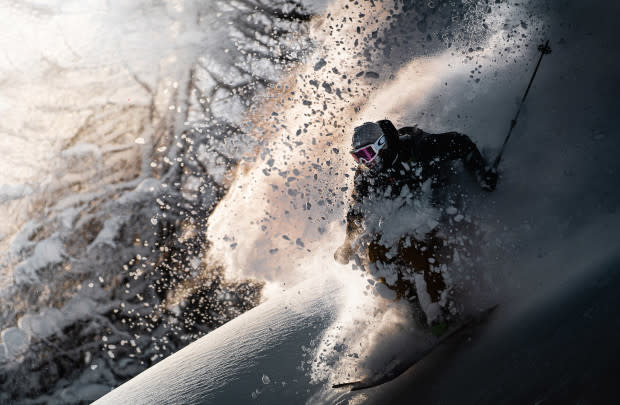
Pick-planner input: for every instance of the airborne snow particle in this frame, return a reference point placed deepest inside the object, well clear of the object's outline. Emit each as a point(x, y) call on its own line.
point(265, 379)
point(320, 64)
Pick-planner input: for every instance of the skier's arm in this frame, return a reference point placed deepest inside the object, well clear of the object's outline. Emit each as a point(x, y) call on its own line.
point(454, 146)
point(353, 227)
point(354, 219)
point(344, 253)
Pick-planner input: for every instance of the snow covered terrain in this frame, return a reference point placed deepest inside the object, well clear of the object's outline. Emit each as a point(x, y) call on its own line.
point(123, 125)
point(546, 248)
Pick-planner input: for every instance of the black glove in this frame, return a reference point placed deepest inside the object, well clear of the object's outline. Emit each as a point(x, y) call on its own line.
point(488, 179)
point(344, 253)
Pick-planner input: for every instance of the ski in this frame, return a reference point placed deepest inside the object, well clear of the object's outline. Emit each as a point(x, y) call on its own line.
point(454, 330)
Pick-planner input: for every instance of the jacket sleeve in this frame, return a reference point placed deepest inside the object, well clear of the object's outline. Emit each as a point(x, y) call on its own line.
point(354, 219)
point(354, 215)
point(452, 146)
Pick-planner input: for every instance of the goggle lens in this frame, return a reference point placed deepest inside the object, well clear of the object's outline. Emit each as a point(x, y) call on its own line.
point(368, 153)
point(364, 155)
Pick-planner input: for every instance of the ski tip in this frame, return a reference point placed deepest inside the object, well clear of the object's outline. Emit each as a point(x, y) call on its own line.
point(491, 308)
point(484, 313)
point(346, 384)
point(358, 385)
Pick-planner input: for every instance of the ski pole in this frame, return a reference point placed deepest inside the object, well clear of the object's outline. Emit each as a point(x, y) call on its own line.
point(544, 50)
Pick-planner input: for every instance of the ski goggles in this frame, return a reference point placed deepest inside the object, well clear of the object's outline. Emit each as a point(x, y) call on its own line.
point(368, 153)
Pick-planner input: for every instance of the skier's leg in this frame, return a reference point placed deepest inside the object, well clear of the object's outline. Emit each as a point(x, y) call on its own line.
point(435, 257)
point(427, 260)
point(384, 268)
point(412, 261)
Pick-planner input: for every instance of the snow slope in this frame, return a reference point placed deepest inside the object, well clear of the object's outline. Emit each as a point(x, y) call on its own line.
point(549, 254)
point(262, 354)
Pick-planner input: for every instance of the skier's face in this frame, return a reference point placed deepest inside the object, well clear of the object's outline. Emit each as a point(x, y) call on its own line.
point(375, 165)
point(368, 154)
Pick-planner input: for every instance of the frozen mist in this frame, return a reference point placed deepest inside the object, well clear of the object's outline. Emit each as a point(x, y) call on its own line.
point(86, 271)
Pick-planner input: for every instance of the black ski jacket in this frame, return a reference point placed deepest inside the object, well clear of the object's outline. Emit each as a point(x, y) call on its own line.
point(411, 158)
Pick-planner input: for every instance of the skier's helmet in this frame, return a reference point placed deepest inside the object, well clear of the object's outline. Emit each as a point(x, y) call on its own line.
point(368, 140)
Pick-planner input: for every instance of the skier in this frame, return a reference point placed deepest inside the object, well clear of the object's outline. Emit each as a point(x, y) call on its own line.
point(393, 166)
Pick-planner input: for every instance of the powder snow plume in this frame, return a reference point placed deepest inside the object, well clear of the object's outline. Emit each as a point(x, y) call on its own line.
point(288, 199)
point(286, 204)
point(283, 216)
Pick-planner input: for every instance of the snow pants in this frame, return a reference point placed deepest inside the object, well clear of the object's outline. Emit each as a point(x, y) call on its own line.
point(423, 261)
